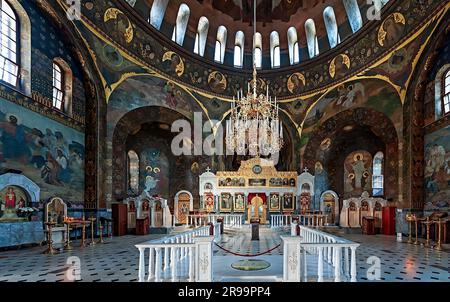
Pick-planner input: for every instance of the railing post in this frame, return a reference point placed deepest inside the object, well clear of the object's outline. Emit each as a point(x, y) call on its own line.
point(174, 263)
point(320, 268)
point(191, 264)
point(346, 262)
point(203, 258)
point(150, 264)
point(291, 259)
point(158, 264)
point(166, 257)
point(141, 264)
point(337, 265)
point(353, 264)
point(293, 229)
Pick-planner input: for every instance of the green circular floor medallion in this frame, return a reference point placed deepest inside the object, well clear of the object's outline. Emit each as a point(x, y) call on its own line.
point(250, 265)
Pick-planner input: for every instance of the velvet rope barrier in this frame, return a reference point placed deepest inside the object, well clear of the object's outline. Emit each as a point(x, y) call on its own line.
point(247, 255)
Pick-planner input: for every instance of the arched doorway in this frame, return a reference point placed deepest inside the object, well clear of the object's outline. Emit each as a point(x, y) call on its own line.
point(184, 203)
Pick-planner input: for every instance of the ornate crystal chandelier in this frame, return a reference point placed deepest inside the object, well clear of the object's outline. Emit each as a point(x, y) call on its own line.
point(254, 126)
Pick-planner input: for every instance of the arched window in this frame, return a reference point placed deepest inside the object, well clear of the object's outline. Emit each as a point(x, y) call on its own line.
point(9, 58)
point(294, 56)
point(157, 13)
point(58, 80)
point(257, 50)
point(221, 41)
point(62, 86)
point(446, 93)
point(377, 176)
point(353, 14)
point(179, 30)
point(201, 36)
point(239, 49)
point(133, 171)
point(275, 49)
point(329, 19)
point(311, 38)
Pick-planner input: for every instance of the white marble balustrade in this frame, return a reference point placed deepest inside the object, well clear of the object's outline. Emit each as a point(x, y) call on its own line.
point(314, 220)
point(173, 257)
point(278, 220)
point(229, 220)
point(327, 250)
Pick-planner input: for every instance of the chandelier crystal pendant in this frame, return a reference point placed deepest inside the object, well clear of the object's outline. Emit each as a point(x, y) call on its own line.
point(254, 126)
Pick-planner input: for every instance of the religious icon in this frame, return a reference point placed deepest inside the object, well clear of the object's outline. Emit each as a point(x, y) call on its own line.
point(357, 173)
point(288, 202)
point(131, 206)
point(145, 206)
point(274, 202)
point(285, 182)
point(217, 82)
point(225, 202)
point(209, 202)
point(239, 203)
point(292, 182)
point(22, 203)
point(10, 198)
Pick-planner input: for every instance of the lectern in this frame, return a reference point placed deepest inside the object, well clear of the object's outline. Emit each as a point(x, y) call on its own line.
point(255, 228)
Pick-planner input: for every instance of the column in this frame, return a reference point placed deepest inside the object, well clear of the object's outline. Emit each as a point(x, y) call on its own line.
point(291, 259)
point(203, 258)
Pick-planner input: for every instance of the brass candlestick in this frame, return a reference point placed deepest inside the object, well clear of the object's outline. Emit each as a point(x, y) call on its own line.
point(427, 225)
point(67, 246)
point(416, 242)
point(410, 219)
point(83, 233)
point(101, 234)
point(439, 243)
point(92, 219)
point(50, 250)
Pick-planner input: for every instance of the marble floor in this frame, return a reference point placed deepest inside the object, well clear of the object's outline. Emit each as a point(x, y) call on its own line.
point(117, 260)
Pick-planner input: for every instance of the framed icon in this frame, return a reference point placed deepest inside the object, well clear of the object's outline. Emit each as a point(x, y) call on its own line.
point(274, 202)
point(239, 202)
point(226, 201)
point(288, 202)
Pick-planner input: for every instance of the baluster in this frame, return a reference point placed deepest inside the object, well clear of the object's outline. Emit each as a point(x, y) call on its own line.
point(174, 263)
point(337, 267)
point(177, 254)
point(320, 269)
point(305, 267)
point(181, 249)
point(346, 262)
point(150, 264)
point(353, 264)
point(191, 264)
point(158, 265)
point(329, 251)
point(141, 264)
point(166, 256)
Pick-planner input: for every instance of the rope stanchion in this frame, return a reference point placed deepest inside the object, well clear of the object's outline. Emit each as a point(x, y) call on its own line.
point(247, 255)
